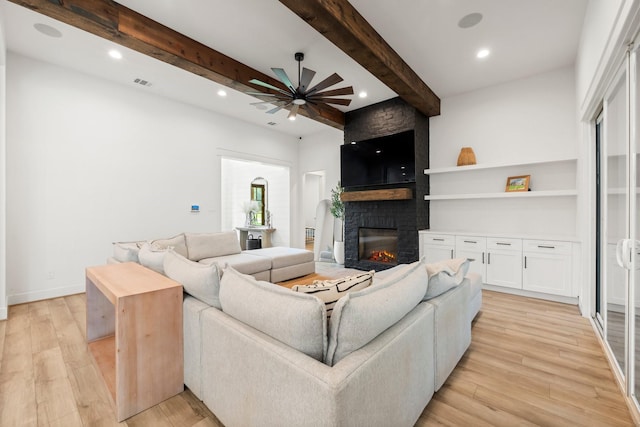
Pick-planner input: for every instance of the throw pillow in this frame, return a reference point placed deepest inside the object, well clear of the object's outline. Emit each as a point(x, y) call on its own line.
point(445, 275)
point(295, 319)
point(330, 291)
point(176, 242)
point(201, 281)
point(152, 258)
point(211, 245)
point(361, 316)
point(126, 251)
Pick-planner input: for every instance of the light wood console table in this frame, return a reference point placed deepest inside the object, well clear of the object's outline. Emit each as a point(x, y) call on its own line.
point(134, 332)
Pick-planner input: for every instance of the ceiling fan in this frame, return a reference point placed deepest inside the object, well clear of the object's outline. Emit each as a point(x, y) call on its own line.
point(303, 96)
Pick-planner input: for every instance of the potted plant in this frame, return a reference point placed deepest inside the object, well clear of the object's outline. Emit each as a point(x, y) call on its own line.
point(337, 210)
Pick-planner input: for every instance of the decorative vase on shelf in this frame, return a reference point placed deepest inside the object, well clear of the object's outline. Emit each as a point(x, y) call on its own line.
point(466, 157)
point(338, 252)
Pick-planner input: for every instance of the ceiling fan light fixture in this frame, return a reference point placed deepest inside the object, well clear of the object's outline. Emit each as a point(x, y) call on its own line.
point(299, 101)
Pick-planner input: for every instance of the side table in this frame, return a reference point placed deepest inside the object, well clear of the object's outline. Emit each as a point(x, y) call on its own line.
point(134, 333)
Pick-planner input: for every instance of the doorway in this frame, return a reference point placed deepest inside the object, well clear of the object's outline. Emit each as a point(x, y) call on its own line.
point(313, 192)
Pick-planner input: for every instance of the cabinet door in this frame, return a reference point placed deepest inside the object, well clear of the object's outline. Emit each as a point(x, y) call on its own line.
point(504, 262)
point(433, 253)
point(437, 247)
point(547, 267)
point(473, 248)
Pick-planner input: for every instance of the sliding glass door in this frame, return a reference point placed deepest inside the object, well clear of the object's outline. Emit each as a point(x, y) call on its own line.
point(618, 213)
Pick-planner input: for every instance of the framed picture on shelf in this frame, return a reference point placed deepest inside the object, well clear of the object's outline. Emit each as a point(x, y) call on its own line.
point(518, 183)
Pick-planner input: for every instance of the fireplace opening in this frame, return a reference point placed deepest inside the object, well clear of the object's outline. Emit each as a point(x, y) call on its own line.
point(378, 245)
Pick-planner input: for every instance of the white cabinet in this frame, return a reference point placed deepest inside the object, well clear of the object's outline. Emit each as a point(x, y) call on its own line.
point(435, 247)
point(547, 267)
point(544, 267)
point(473, 248)
point(504, 262)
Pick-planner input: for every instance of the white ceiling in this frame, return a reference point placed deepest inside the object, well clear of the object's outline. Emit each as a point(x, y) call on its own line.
point(526, 37)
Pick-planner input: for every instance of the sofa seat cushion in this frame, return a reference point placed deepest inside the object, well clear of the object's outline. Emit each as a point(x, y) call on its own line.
point(284, 257)
point(295, 319)
point(198, 280)
point(243, 262)
point(211, 245)
point(360, 316)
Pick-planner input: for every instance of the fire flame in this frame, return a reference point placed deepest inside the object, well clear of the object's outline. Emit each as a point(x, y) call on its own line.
point(382, 256)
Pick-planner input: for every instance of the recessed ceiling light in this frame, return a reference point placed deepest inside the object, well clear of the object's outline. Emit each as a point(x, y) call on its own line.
point(378, 151)
point(261, 107)
point(47, 30)
point(470, 20)
point(362, 94)
point(292, 118)
point(353, 143)
point(115, 54)
point(221, 92)
point(482, 53)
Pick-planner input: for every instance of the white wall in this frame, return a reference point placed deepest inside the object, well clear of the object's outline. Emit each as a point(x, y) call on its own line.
point(3, 164)
point(91, 162)
point(527, 120)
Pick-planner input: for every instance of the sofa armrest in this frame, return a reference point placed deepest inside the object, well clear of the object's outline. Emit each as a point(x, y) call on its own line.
point(251, 379)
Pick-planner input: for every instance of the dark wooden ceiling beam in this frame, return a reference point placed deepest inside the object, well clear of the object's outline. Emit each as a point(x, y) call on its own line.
point(112, 21)
point(343, 25)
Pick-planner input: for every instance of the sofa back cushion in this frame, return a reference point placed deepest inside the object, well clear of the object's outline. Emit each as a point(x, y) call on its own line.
point(126, 251)
point(177, 243)
point(330, 291)
point(202, 281)
point(445, 275)
point(361, 316)
point(152, 258)
point(296, 319)
point(210, 245)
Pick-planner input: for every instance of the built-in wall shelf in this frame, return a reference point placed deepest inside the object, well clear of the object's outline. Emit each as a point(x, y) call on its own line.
point(373, 195)
point(493, 166)
point(504, 195)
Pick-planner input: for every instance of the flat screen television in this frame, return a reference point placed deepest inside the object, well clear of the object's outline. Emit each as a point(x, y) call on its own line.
point(379, 161)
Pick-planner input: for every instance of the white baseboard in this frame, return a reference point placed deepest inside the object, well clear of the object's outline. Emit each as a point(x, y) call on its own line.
point(530, 294)
point(3, 313)
point(44, 294)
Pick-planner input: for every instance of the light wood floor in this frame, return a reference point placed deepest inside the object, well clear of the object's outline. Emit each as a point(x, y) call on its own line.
point(531, 362)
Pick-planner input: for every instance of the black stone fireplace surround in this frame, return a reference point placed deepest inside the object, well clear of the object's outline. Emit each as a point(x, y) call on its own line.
point(407, 216)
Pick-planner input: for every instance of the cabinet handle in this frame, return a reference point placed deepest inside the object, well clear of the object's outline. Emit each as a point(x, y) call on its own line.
point(546, 247)
point(470, 241)
point(451, 253)
point(438, 240)
point(489, 258)
point(503, 244)
point(483, 257)
point(525, 262)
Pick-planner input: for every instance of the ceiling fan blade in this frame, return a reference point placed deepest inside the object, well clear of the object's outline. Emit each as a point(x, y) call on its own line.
point(293, 112)
point(270, 95)
point(279, 72)
point(268, 86)
point(337, 101)
point(278, 108)
point(305, 79)
point(311, 109)
point(274, 102)
point(329, 81)
point(336, 92)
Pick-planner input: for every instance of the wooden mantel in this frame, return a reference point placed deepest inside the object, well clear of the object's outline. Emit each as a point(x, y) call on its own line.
point(374, 195)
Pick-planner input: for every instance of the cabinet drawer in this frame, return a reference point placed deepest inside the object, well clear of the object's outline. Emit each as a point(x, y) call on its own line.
point(468, 242)
point(439, 239)
point(494, 243)
point(547, 247)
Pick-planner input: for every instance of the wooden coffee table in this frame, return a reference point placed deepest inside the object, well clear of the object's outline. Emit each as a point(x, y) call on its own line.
point(134, 332)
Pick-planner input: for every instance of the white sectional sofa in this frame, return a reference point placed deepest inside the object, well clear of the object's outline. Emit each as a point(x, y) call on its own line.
point(275, 264)
point(263, 355)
